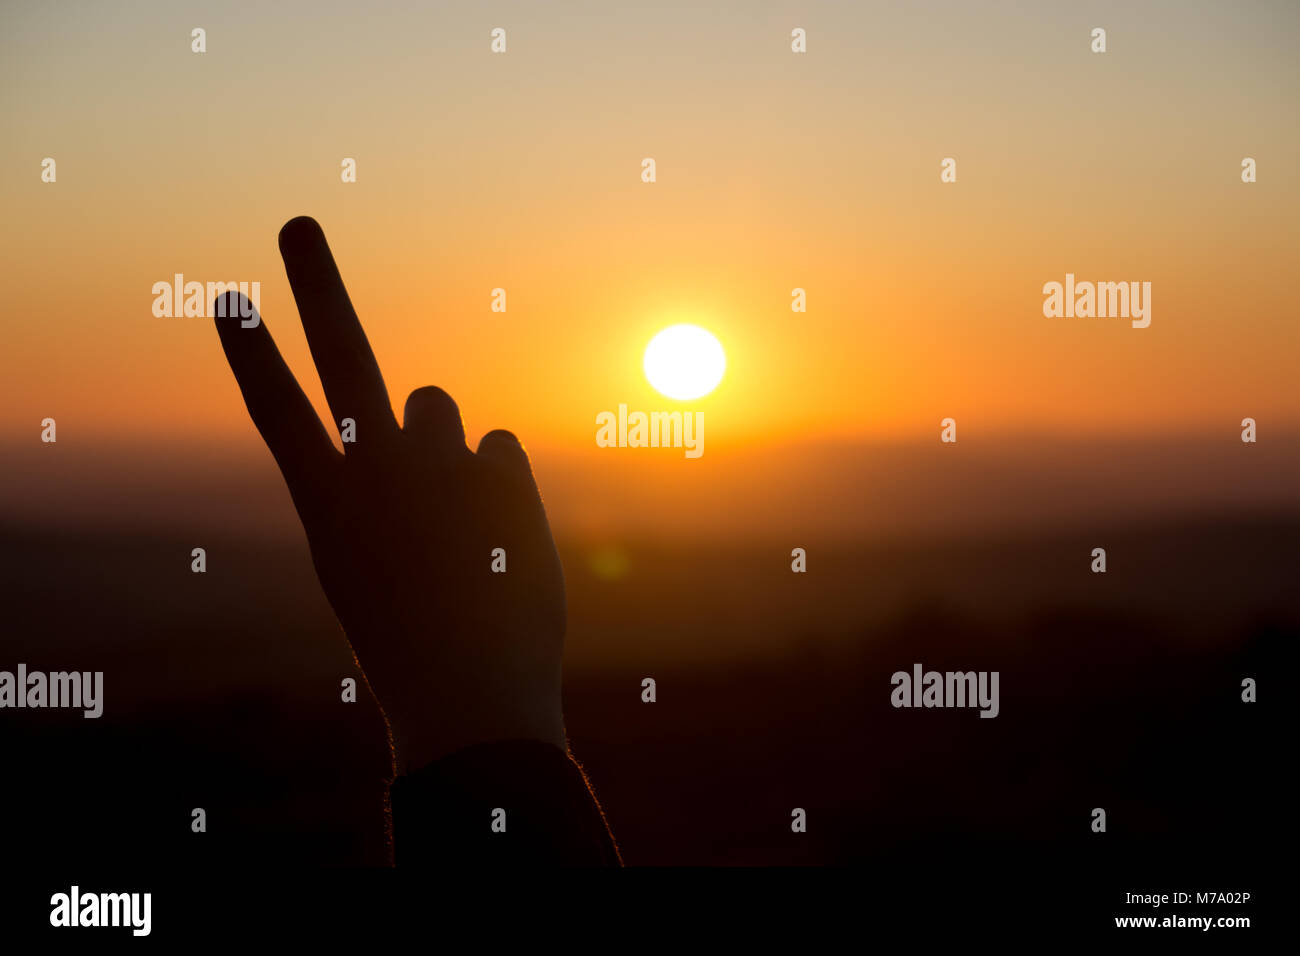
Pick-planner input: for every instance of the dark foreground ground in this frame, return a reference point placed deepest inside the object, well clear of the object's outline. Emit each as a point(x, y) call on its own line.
point(1119, 691)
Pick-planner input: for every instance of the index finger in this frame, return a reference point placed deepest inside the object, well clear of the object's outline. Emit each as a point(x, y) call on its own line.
point(283, 415)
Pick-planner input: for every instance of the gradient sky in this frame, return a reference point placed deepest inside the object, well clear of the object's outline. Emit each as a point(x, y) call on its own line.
point(775, 170)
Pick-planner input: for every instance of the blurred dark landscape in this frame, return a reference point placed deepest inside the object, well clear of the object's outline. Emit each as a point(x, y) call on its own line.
point(1118, 690)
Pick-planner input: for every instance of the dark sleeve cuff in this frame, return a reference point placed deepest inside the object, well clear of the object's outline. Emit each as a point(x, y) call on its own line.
point(450, 812)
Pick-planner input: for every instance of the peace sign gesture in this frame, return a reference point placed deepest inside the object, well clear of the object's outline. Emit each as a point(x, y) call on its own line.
point(461, 643)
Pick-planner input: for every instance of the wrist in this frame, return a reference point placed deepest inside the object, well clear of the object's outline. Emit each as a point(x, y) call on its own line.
point(419, 742)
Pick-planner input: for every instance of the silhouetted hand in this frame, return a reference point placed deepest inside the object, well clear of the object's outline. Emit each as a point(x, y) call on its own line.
point(402, 528)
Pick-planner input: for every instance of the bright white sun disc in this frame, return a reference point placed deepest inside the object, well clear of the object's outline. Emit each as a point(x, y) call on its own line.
point(684, 362)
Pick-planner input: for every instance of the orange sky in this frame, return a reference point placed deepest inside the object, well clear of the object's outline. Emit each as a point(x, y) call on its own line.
point(522, 170)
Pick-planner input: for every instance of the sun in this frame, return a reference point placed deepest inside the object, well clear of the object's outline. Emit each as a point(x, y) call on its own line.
point(684, 362)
